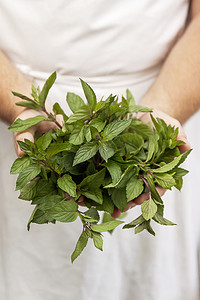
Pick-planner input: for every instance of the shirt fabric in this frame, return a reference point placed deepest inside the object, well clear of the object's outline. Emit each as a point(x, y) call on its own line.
point(113, 45)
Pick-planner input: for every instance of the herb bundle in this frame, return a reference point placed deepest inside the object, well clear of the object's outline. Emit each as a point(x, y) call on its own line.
point(101, 152)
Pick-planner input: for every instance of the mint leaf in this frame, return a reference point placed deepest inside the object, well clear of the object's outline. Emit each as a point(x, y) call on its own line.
point(74, 101)
point(149, 208)
point(45, 90)
point(77, 135)
point(92, 213)
point(141, 227)
point(67, 184)
point(93, 181)
point(64, 211)
point(89, 94)
point(159, 219)
point(107, 149)
point(30, 104)
point(106, 226)
point(44, 141)
point(98, 241)
point(21, 125)
point(85, 152)
point(98, 124)
point(58, 147)
point(95, 195)
point(27, 175)
point(135, 222)
point(114, 170)
point(115, 128)
point(134, 188)
point(20, 164)
point(174, 163)
point(165, 180)
point(81, 244)
point(119, 198)
point(83, 113)
point(29, 191)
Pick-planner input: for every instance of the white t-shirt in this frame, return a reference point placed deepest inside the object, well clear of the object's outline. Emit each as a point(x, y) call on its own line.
point(113, 45)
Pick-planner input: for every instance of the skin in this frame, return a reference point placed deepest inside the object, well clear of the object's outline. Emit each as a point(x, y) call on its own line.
point(176, 86)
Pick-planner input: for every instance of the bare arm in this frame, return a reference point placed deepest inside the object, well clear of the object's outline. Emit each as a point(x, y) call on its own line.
point(11, 79)
point(176, 91)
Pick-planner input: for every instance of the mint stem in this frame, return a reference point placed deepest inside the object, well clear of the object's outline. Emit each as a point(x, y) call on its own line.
point(146, 183)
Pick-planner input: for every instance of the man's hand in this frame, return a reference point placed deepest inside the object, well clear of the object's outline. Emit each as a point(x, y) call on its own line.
point(145, 117)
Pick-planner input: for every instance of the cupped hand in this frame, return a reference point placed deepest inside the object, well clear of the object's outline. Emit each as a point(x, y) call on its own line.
point(146, 118)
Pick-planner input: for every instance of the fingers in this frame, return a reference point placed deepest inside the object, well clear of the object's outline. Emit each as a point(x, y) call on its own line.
point(21, 136)
point(182, 137)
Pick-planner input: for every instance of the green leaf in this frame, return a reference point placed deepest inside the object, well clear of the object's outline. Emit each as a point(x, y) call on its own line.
point(83, 113)
point(85, 152)
point(139, 220)
point(153, 140)
point(141, 128)
point(98, 241)
point(119, 198)
point(81, 244)
point(141, 227)
point(174, 163)
point(134, 188)
point(59, 111)
point(67, 184)
point(159, 219)
point(21, 125)
point(27, 174)
point(20, 164)
point(77, 135)
point(149, 208)
point(44, 141)
point(154, 192)
point(88, 134)
point(115, 128)
point(98, 124)
point(95, 195)
point(106, 226)
point(93, 181)
point(132, 142)
point(129, 172)
point(89, 94)
point(30, 104)
point(114, 170)
point(49, 202)
point(65, 211)
point(92, 213)
point(107, 149)
point(101, 104)
point(29, 191)
point(45, 90)
point(22, 96)
point(34, 93)
point(165, 180)
point(130, 98)
point(74, 101)
point(58, 147)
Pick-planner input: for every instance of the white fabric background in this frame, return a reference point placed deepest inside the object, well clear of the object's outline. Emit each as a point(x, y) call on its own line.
point(113, 45)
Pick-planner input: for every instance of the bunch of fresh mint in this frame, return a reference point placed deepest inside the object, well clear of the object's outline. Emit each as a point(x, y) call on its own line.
point(101, 152)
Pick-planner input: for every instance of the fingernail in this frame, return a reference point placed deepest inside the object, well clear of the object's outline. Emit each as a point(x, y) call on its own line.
point(133, 205)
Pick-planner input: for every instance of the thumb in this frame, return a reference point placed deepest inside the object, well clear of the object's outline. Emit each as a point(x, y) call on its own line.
point(182, 137)
point(21, 136)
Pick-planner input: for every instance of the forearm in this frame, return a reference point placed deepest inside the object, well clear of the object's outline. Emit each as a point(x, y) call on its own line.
point(176, 91)
point(11, 80)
